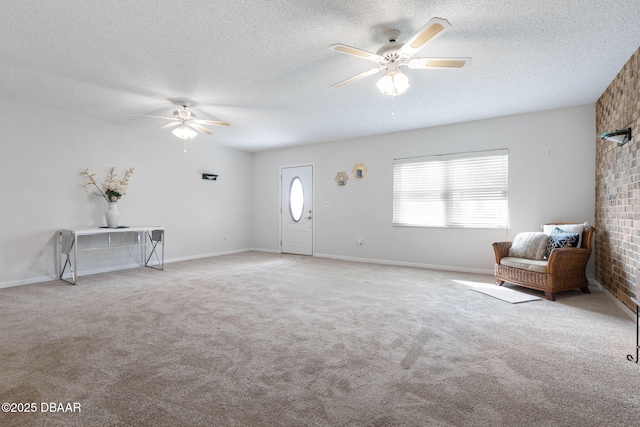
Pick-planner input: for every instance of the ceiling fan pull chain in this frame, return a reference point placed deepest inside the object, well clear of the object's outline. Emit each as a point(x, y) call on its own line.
point(184, 142)
point(393, 105)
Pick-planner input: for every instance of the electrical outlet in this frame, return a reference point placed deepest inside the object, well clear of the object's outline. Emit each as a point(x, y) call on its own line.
point(326, 204)
point(127, 248)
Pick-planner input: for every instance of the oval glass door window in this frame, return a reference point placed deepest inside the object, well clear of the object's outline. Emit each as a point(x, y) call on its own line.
point(296, 199)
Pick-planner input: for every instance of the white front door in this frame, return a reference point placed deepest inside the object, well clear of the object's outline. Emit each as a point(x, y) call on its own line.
point(296, 213)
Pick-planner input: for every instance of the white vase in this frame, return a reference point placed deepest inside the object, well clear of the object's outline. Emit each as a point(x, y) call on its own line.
point(112, 215)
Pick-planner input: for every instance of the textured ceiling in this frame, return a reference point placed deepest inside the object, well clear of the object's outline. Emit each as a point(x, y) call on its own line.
point(265, 66)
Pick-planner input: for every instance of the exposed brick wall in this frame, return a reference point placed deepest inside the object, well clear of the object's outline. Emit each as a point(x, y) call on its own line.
point(617, 211)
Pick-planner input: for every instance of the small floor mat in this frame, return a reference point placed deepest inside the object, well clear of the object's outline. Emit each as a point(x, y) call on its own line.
point(505, 294)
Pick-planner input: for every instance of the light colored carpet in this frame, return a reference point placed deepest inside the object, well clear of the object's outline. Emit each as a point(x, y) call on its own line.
point(260, 339)
point(504, 294)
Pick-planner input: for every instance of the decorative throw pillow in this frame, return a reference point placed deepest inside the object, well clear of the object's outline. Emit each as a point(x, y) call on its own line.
point(569, 228)
point(561, 239)
point(529, 245)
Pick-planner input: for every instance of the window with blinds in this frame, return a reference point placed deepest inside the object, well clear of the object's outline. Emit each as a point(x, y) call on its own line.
point(466, 190)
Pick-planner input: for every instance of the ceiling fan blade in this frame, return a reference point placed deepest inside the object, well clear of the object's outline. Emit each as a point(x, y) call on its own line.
point(200, 128)
point(210, 122)
point(169, 126)
point(355, 78)
point(343, 48)
point(154, 117)
point(433, 29)
point(430, 63)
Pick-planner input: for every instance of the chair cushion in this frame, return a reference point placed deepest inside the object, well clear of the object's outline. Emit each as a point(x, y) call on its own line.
point(535, 265)
point(562, 239)
point(530, 245)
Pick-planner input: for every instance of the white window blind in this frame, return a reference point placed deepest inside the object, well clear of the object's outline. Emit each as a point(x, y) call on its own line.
point(453, 190)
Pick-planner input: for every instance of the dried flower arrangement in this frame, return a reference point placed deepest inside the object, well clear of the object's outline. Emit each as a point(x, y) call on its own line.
point(112, 187)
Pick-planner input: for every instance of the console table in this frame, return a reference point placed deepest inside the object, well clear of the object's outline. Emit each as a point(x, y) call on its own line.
point(145, 237)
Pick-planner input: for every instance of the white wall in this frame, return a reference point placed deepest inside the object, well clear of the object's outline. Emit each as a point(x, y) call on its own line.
point(551, 178)
point(42, 152)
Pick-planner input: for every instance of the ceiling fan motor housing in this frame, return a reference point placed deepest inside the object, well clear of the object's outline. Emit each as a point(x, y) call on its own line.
point(391, 58)
point(390, 52)
point(183, 114)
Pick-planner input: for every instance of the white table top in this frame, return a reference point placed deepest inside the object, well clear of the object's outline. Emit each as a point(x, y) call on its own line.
point(86, 231)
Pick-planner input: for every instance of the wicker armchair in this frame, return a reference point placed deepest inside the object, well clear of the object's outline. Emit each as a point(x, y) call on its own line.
point(565, 268)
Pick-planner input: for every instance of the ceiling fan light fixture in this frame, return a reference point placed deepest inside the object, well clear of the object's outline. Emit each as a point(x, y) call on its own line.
point(393, 83)
point(184, 132)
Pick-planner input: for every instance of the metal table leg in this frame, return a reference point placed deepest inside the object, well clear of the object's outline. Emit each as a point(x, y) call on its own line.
point(155, 237)
point(68, 246)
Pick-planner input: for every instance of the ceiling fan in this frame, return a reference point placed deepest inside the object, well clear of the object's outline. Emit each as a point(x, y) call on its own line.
point(394, 55)
point(184, 122)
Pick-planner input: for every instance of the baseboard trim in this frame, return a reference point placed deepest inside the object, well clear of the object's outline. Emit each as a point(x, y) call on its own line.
point(33, 280)
point(269, 251)
point(408, 264)
point(613, 298)
point(29, 281)
point(208, 255)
